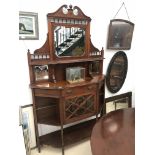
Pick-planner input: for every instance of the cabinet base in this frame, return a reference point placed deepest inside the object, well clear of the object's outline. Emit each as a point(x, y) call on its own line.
point(71, 135)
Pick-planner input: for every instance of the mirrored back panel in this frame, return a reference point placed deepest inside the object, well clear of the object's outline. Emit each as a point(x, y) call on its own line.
point(41, 72)
point(69, 41)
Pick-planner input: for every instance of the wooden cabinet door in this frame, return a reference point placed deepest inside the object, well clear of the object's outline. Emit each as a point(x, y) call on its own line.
point(79, 107)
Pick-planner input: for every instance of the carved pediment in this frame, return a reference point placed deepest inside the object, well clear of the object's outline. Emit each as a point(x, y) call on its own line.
point(68, 38)
point(70, 12)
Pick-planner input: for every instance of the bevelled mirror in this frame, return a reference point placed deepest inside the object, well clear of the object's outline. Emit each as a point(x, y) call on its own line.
point(116, 72)
point(41, 72)
point(69, 41)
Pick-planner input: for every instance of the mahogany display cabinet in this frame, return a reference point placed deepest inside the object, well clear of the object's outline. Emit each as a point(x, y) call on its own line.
point(66, 78)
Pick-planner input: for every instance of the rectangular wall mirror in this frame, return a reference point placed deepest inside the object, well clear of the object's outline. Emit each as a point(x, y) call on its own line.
point(120, 34)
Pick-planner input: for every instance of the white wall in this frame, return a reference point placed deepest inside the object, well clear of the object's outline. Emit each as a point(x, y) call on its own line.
point(101, 13)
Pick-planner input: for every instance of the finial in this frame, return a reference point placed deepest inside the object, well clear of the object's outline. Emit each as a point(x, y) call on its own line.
point(70, 6)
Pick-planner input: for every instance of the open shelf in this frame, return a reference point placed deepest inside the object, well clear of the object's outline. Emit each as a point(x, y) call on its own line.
point(47, 111)
point(49, 122)
point(72, 134)
point(40, 62)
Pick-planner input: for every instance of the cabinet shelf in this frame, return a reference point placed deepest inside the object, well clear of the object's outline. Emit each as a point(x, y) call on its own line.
point(45, 107)
point(39, 62)
point(48, 114)
point(49, 121)
point(72, 134)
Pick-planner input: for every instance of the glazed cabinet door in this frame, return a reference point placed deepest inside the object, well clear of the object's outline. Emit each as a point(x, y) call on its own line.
point(79, 107)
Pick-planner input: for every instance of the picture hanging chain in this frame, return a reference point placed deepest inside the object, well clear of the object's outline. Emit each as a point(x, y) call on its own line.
point(123, 4)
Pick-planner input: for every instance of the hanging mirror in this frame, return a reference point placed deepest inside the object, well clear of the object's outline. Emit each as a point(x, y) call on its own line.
point(120, 34)
point(116, 72)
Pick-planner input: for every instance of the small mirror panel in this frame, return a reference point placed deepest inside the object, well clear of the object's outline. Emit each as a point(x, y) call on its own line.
point(69, 41)
point(41, 72)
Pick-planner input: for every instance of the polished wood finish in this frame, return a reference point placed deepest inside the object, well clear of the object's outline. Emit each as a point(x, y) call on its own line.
point(55, 101)
point(114, 134)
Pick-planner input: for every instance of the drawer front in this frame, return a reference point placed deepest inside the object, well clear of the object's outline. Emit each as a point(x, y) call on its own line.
point(79, 90)
point(47, 92)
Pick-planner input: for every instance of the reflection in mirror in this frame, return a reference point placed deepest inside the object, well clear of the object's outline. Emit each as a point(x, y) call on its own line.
point(69, 41)
point(120, 34)
point(94, 68)
point(118, 102)
point(41, 72)
point(116, 72)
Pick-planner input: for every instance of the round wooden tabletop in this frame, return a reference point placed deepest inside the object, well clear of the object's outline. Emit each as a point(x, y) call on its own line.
point(114, 134)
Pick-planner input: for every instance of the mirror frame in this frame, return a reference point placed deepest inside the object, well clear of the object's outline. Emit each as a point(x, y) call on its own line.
point(120, 35)
point(108, 76)
point(68, 16)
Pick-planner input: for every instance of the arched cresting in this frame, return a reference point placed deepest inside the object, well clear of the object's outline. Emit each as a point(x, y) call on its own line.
point(116, 72)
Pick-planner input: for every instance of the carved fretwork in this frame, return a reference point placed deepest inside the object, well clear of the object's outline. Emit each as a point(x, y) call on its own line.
point(81, 105)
